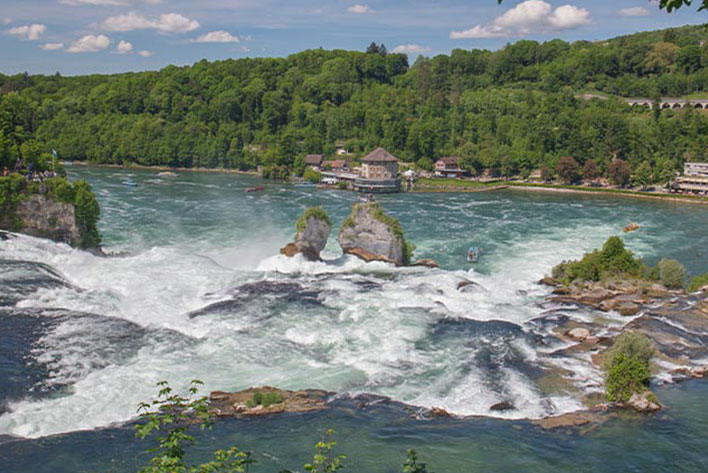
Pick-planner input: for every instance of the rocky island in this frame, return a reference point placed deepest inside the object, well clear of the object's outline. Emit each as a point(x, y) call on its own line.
point(313, 228)
point(372, 235)
point(53, 208)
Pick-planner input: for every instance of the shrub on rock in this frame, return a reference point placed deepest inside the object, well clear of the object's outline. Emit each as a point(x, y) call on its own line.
point(672, 273)
point(627, 366)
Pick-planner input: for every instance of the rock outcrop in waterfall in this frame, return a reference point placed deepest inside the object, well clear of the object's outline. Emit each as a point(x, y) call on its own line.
point(372, 235)
point(313, 229)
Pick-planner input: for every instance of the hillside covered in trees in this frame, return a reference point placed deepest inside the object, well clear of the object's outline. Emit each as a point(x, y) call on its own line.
point(511, 111)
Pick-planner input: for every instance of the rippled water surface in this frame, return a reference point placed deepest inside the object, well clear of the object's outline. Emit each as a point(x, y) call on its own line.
point(200, 291)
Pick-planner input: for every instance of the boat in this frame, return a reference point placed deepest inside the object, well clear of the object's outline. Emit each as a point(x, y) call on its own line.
point(255, 189)
point(365, 199)
point(631, 227)
point(167, 174)
point(472, 254)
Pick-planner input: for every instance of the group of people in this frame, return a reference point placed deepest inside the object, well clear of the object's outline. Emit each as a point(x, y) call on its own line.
point(32, 174)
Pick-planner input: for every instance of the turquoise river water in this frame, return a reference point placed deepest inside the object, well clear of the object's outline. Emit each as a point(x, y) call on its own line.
point(199, 291)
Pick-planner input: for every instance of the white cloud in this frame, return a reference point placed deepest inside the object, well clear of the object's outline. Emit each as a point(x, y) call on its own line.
point(166, 23)
point(360, 9)
point(124, 47)
point(145, 53)
point(6, 21)
point(634, 11)
point(529, 17)
point(217, 37)
point(411, 49)
point(30, 32)
point(89, 44)
point(52, 46)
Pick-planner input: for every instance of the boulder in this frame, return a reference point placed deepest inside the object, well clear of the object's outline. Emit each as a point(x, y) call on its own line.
point(502, 406)
point(438, 412)
point(579, 334)
point(548, 281)
point(644, 402)
point(373, 236)
point(627, 308)
point(313, 228)
point(428, 262)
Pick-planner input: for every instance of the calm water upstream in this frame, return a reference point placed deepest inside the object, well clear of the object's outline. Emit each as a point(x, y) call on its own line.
point(84, 339)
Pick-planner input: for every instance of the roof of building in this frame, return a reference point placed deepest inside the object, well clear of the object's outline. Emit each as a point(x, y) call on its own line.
point(335, 163)
point(450, 160)
point(378, 155)
point(313, 159)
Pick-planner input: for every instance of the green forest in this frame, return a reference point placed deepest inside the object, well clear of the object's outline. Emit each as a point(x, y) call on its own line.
point(509, 111)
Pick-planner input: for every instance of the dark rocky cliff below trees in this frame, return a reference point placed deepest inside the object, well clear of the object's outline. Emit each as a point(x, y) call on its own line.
point(54, 208)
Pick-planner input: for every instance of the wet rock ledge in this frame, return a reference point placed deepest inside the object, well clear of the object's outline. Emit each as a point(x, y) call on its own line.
point(266, 400)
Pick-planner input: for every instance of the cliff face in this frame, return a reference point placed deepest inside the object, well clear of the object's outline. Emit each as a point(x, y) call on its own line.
point(43, 217)
point(371, 235)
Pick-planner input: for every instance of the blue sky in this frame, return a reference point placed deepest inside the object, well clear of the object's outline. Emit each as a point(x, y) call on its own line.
point(105, 36)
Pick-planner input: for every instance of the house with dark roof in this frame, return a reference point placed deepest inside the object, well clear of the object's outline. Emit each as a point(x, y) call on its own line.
point(379, 173)
point(448, 166)
point(314, 160)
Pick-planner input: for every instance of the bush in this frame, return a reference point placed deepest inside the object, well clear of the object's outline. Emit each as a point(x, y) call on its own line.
point(626, 377)
point(697, 283)
point(627, 366)
point(87, 214)
point(265, 400)
point(672, 273)
point(310, 175)
point(568, 169)
point(613, 259)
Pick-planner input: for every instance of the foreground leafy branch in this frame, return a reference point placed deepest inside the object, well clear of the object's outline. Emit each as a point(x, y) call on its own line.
point(170, 416)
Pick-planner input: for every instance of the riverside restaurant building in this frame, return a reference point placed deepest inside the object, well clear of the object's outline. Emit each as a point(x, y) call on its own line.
point(379, 173)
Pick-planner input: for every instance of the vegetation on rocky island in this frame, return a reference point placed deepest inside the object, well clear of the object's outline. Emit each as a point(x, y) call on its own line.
point(265, 400)
point(509, 111)
point(697, 283)
point(614, 260)
point(171, 418)
point(627, 366)
point(316, 212)
point(14, 188)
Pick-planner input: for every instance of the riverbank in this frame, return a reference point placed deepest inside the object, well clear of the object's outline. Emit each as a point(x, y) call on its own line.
point(143, 167)
point(454, 185)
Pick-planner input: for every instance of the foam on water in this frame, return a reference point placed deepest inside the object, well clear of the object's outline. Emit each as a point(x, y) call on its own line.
point(121, 324)
point(357, 341)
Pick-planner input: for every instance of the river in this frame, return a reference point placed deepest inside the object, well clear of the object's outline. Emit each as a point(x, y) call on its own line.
point(85, 338)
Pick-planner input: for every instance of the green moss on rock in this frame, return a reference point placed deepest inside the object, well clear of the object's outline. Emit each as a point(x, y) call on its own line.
point(316, 212)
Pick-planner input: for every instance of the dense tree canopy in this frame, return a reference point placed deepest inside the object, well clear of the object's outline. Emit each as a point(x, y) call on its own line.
point(509, 111)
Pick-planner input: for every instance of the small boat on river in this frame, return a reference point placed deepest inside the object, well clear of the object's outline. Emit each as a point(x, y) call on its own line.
point(255, 189)
point(167, 174)
point(631, 227)
point(472, 254)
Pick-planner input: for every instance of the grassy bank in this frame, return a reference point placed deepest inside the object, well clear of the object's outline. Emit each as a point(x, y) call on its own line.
point(456, 185)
